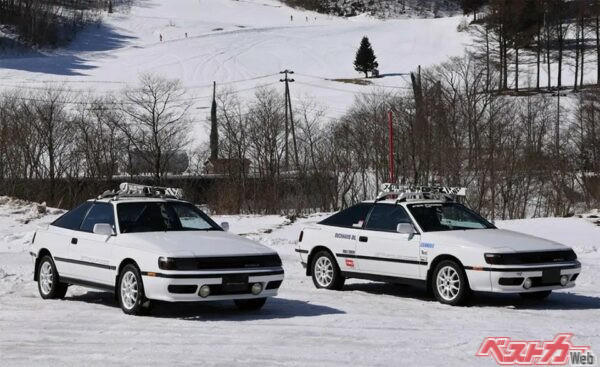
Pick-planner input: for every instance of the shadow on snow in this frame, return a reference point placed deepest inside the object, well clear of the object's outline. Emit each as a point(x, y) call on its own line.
point(556, 301)
point(67, 62)
point(275, 308)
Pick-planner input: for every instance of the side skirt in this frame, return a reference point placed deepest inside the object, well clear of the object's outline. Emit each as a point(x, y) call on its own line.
point(85, 283)
point(385, 279)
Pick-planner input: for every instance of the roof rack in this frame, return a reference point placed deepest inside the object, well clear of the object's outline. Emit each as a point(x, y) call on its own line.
point(410, 193)
point(135, 190)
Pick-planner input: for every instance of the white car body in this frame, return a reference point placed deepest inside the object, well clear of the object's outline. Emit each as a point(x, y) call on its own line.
point(402, 258)
point(209, 258)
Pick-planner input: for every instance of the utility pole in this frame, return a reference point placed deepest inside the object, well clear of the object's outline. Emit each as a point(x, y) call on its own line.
point(391, 157)
point(289, 118)
point(214, 127)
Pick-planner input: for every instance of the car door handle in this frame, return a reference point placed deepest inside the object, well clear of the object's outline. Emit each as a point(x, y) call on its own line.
point(73, 241)
point(363, 239)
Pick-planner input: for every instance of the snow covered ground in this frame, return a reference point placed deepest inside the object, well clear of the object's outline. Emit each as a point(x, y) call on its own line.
point(368, 324)
point(241, 45)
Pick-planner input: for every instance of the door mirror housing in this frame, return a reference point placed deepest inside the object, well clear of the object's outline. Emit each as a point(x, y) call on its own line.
point(104, 229)
point(406, 228)
point(225, 226)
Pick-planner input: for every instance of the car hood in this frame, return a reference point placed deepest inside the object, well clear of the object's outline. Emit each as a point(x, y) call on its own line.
point(500, 240)
point(193, 243)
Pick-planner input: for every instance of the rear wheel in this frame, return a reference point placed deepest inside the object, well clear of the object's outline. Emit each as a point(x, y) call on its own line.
point(326, 273)
point(450, 285)
point(252, 304)
point(132, 298)
point(49, 285)
point(535, 296)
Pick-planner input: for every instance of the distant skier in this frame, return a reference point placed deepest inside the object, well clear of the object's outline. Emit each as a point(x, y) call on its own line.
point(291, 18)
point(160, 36)
point(307, 18)
point(185, 34)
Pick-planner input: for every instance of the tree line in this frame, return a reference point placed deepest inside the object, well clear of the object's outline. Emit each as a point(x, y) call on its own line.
point(510, 153)
point(531, 43)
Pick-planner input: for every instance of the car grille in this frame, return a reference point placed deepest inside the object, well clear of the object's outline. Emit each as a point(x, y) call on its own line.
point(227, 262)
point(521, 258)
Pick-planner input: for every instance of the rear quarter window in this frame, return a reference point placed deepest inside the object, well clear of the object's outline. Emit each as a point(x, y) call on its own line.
point(349, 217)
point(73, 218)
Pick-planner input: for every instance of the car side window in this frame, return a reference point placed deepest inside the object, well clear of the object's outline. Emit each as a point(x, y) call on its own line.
point(100, 213)
point(73, 218)
point(349, 217)
point(386, 217)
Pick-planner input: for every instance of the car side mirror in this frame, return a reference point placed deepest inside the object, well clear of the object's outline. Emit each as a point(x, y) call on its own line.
point(225, 226)
point(104, 229)
point(406, 228)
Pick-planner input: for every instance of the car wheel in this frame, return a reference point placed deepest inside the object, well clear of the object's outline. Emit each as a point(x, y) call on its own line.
point(130, 292)
point(535, 296)
point(326, 273)
point(449, 283)
point(252, 304)
point(49, 285)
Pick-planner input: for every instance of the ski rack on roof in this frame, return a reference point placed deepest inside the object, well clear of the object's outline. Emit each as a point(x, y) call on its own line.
point(409, 193)
point(135, 190)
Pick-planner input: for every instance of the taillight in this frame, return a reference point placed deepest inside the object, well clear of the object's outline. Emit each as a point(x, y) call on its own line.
point(301, 235)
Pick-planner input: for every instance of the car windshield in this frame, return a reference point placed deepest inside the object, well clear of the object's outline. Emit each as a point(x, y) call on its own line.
point(163, 217)
point(438, 217)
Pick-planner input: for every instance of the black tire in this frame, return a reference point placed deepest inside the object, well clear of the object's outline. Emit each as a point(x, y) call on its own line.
point(325, 272)
point(453, 276)
point(130, 292)
point(49, 284)
point(252, 304)
point(535, 296)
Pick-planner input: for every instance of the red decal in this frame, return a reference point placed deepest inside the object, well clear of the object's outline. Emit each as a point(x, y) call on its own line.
point(530, 352)
point(349, 263)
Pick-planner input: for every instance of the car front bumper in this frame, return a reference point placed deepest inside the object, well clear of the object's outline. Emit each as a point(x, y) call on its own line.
point(510, 279)
point(185, 286)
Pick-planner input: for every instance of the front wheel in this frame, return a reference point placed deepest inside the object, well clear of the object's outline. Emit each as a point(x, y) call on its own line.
point(132, 298)
point(49, 285)
point(535, 296)
point(450, 285)
point(252, 304)
point(326, 273)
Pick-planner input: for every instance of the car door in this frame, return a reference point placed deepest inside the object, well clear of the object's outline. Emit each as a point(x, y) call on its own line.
point(344, 233)
point(90, 252)
point(65, 229)
point(383, 251)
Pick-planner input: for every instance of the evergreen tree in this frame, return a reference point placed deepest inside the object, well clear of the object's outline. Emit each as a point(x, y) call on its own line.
point(365, 60)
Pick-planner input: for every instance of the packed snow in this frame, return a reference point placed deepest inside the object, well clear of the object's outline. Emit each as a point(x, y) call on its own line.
point(367, 324)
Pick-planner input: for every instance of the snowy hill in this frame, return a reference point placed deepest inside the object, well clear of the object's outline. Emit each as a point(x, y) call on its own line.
point(240, 44)
point(367, 324)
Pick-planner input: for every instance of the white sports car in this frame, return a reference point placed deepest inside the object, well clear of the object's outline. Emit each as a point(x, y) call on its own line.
point(433, 241)
point(148, 246)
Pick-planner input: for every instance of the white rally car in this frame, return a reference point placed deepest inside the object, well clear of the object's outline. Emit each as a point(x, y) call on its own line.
point(143, 244)
point(426, 238)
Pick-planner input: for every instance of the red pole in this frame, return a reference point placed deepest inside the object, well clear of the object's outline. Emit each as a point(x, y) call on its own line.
point(391, 158)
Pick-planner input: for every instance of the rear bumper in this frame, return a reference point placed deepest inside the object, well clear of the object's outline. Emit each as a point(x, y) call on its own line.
point(510, 279)
point(185, 287)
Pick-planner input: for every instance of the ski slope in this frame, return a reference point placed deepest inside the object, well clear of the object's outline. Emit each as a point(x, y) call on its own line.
point(240, 44)
point(367, 324)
